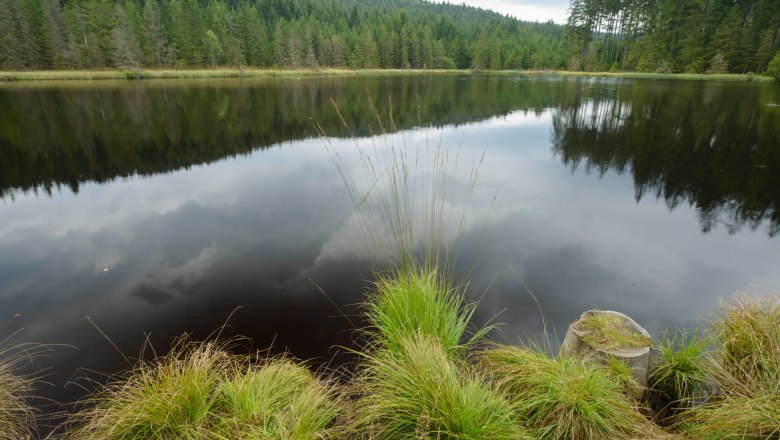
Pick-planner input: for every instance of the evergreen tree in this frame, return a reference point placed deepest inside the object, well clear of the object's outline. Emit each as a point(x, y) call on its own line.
point(58, 39)
point(368, 52)
point(773, 69)
point(127, 52)
point(156, 47)
point(213, 48)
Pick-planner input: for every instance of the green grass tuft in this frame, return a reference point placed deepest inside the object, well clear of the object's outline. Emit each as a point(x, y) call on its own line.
point(745, 373)
point(736, 417)
point(16, 414)
point(563, 398)
point(419, 302)
point(679, 378)
point(621, 373)
point(279, 399)
point(748, 334)
point(418, 391)
point(202, 391)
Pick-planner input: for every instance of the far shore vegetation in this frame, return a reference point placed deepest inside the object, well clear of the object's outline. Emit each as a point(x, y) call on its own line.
point(233, 72)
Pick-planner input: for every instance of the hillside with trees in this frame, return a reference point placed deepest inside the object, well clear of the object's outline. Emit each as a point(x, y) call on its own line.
point(698, 36)
point(712, 36)
point(130, 34)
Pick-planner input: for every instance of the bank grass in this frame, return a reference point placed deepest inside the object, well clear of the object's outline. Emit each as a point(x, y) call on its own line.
point(562, 397)
point(219, 72)
point(418, 391)
point(420, 301)
point(253, 72)
point(728, 77)
point(678, 376)
point(744, 370)
point(277, 399)
point(619, 371)
point(17, 415)
point(202, 390)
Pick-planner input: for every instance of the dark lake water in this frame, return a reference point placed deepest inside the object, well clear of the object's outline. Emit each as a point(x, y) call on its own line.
point(156, 208)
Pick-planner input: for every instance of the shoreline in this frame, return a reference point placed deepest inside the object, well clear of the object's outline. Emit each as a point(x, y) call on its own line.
point(92, 75)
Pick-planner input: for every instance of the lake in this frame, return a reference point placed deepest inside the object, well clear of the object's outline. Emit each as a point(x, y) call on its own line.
point(148, 209)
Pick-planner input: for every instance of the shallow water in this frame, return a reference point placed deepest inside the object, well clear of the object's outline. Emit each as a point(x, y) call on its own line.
point(157, 208)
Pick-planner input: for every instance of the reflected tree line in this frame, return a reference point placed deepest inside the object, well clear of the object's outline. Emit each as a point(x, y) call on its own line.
point(65, 136)
point(713, 145)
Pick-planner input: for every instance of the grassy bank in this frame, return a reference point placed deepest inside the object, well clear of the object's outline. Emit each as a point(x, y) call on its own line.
point(53, 75)
point(426, 374)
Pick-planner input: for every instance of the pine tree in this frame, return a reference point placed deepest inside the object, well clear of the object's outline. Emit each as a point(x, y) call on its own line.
point(9, 45)
point(295, 50)
point(58, 40)
point(213, 48)
point(127, 52)
point(369, 53)
point(156, 48)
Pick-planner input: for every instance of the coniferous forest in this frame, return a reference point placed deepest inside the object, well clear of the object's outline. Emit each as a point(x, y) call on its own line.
point(701, 36)
point(697, 36)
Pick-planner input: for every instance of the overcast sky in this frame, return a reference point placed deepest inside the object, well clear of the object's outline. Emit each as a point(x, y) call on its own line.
point(528, 10)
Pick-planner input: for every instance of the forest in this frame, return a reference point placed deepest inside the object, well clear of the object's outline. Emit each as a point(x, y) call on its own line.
point(699, 36)
point(128, 34)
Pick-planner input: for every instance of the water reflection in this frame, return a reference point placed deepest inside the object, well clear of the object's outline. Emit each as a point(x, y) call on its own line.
point(712, 145)
point(65, 136)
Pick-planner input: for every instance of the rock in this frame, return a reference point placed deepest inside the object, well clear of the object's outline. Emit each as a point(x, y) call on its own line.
point(599, 335)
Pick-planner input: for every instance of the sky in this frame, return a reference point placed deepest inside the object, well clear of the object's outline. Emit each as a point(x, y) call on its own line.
point(528, 10)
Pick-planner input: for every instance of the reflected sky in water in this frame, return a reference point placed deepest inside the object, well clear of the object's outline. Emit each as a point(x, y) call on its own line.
point(176, 252)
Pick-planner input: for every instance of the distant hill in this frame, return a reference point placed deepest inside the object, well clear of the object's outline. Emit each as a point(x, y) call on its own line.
point(96, 34)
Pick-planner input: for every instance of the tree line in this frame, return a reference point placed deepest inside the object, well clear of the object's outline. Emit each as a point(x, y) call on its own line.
point(130, 34)
point(698, 36)
point(713, 36)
